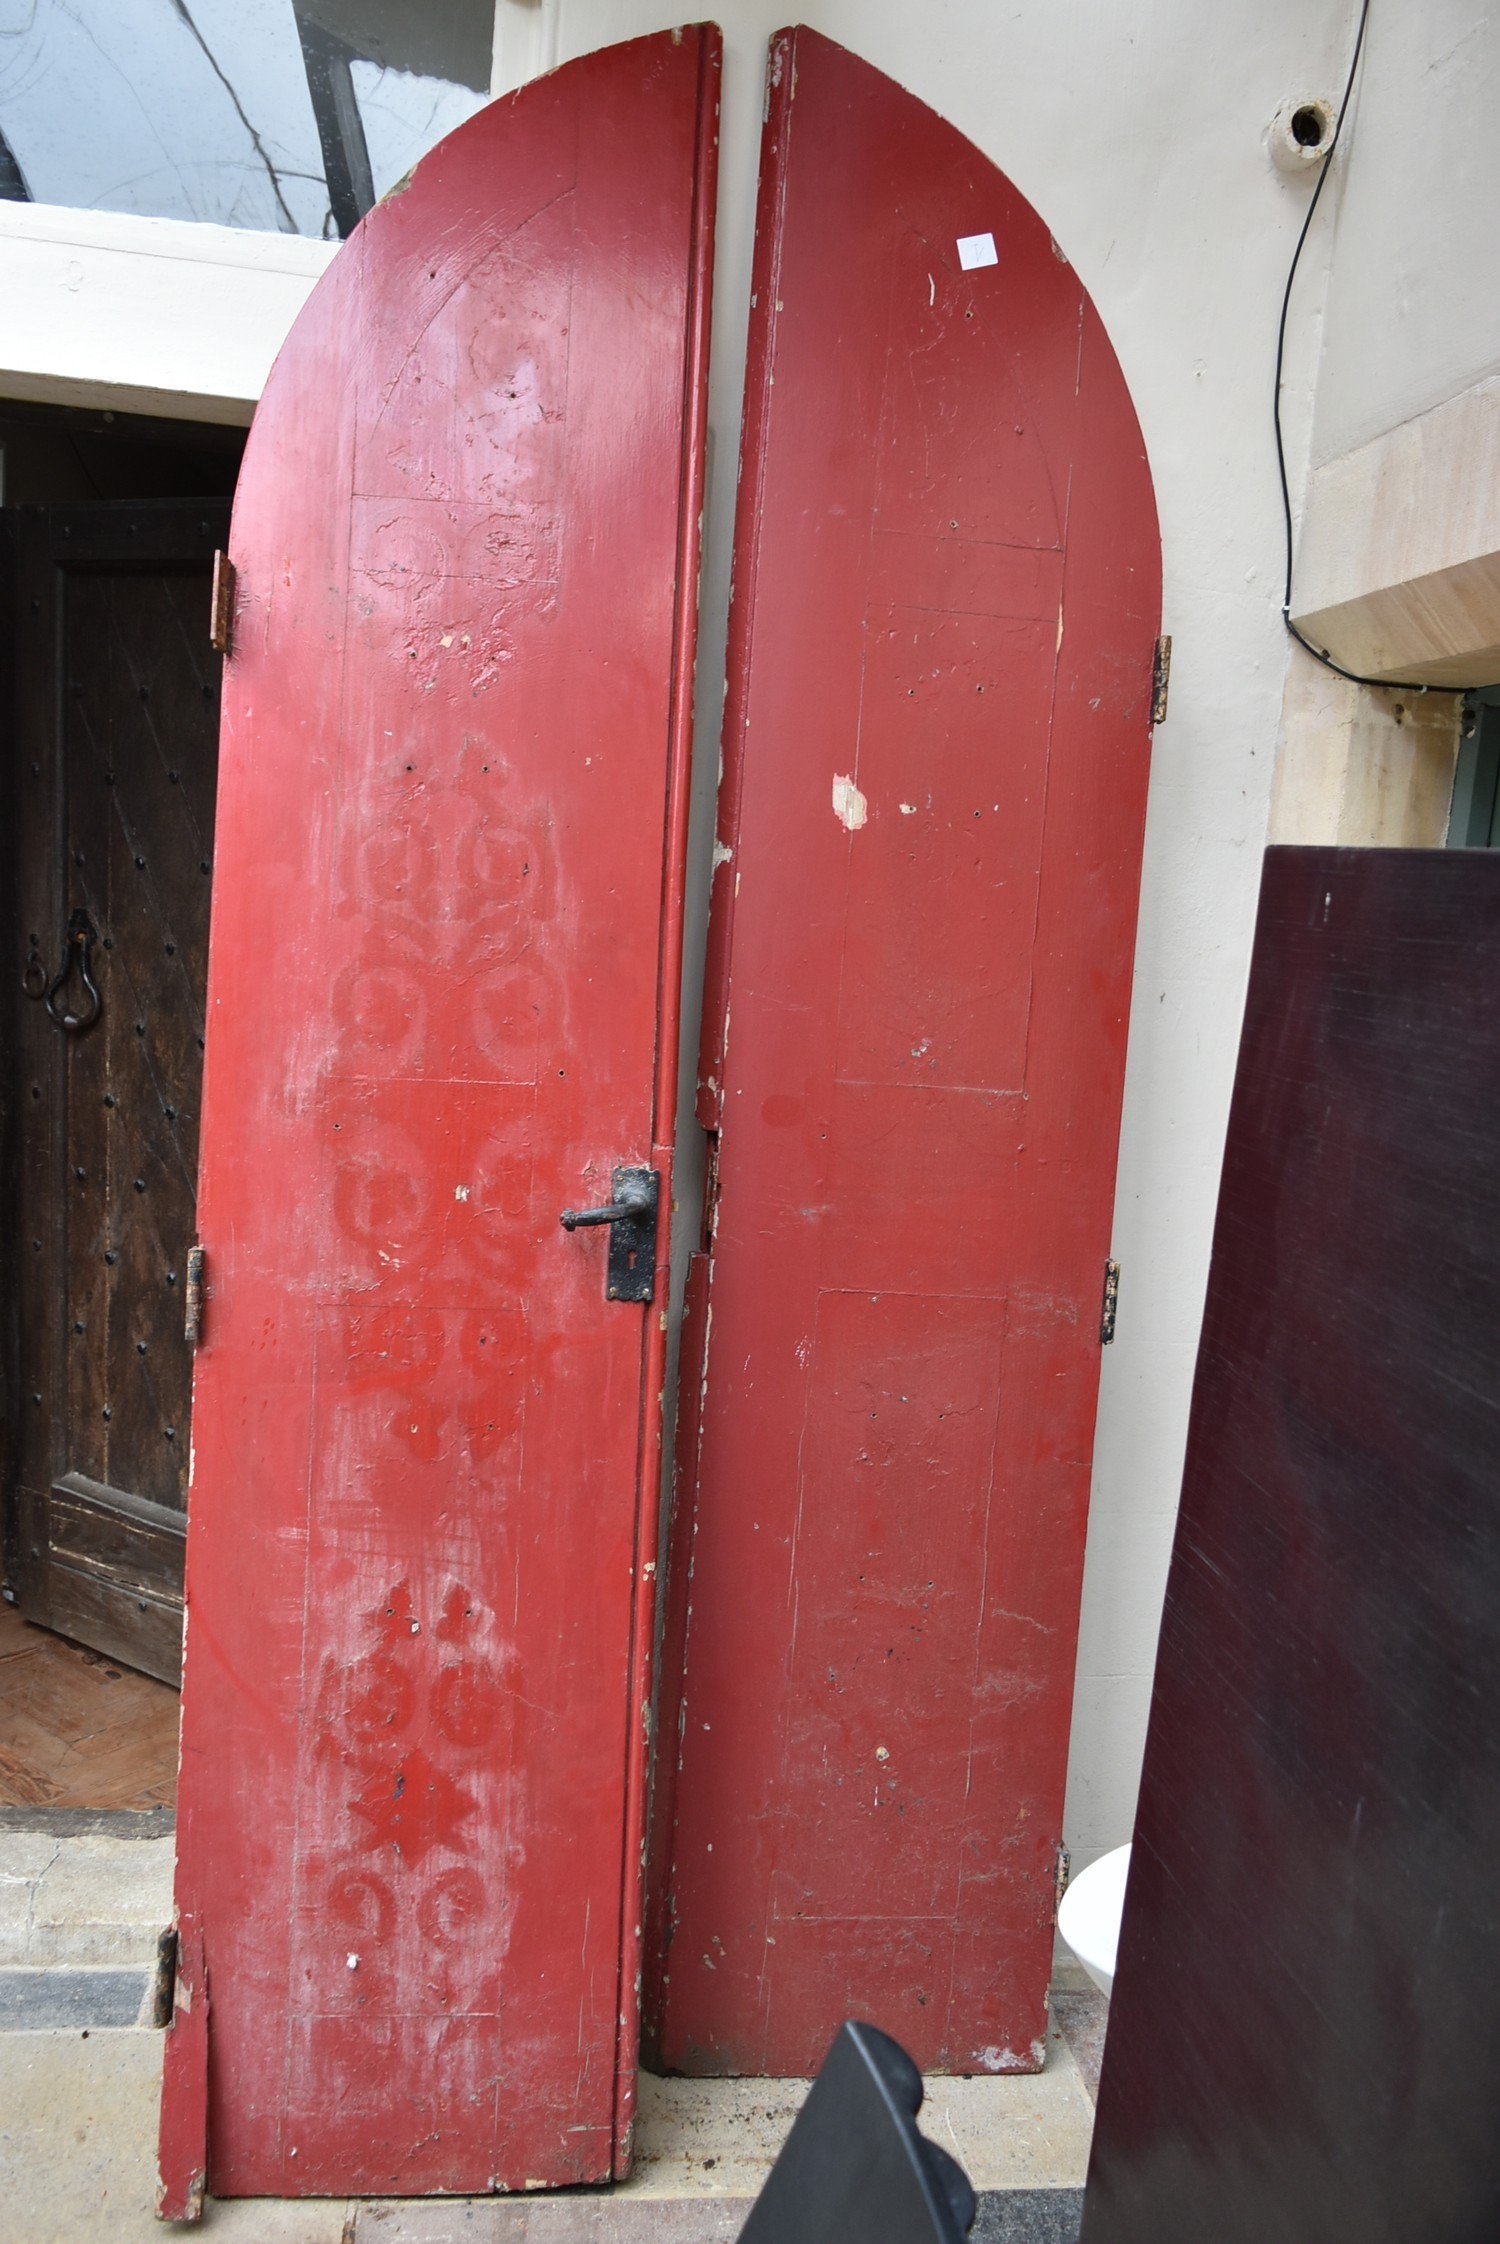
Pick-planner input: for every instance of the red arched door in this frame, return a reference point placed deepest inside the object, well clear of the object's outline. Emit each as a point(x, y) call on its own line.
point(935, 754)
point(442, 1008)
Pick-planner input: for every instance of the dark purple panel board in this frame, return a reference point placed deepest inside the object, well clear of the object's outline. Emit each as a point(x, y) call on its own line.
point(1305, 2036)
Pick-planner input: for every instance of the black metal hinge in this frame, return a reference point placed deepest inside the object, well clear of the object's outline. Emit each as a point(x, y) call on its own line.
point(1063, 1870)
point(221, 611)
point(1110, 1303)
point(1161, 679)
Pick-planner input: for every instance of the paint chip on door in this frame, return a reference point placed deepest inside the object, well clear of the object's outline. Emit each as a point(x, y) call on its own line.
point(849, 805)
point(975, 250)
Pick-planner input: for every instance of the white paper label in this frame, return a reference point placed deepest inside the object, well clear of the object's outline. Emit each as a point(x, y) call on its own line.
point(975, 250)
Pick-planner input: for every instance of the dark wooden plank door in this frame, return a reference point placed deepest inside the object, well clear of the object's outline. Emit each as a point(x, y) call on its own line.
point(117, 708)
point(1304, 2037)
point(443, 1008)
point(935, 754)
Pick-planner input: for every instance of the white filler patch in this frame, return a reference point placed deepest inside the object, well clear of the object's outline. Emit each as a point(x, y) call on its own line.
point(849, 805)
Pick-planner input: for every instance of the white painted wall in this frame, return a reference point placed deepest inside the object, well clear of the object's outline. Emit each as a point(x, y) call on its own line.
point(1398, 550)
point(146, 315)
point(1413, 306)
point(1138, 134)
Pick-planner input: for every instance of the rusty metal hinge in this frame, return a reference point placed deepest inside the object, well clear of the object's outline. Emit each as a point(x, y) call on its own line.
point(221, 615)
point(1062, 1871)
point(1110, 1303)
point(192, 1320)
point(1161, 679)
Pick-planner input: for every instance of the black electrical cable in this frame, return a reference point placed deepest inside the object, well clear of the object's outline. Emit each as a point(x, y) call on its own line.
point(1321, 654)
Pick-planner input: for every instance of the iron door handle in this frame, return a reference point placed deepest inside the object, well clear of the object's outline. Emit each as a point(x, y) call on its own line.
point(630, 1274)
point(77, 950)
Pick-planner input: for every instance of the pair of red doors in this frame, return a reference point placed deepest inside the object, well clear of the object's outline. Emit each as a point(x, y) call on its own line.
point(443, 1010)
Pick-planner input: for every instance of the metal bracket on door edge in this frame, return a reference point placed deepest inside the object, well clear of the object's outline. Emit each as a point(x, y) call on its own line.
point(1110, 1305)
point(192, 1321)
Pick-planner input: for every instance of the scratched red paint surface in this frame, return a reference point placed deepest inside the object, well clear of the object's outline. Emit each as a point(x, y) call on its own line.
point(936, 747)
point(442, 1005)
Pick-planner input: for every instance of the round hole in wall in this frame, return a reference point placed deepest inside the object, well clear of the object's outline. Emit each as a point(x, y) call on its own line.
point(1300, 135)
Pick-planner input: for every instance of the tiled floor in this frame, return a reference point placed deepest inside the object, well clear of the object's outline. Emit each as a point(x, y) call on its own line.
point(78, 1730)
point(91, 1901)
point(705, 2148)
point(1081, 2014)
point(79, 1915)
point(78, 2128)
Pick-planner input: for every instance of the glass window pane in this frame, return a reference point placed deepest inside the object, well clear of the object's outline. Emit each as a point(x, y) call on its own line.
point(253, 113)
point(404, 115)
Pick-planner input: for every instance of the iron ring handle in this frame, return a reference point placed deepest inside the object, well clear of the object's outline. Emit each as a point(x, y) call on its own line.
point(81, 939)
point(634, 1202)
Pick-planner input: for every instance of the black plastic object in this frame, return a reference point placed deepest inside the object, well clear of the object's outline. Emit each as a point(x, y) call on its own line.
point(1304, 2038)
point(855, 2168)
